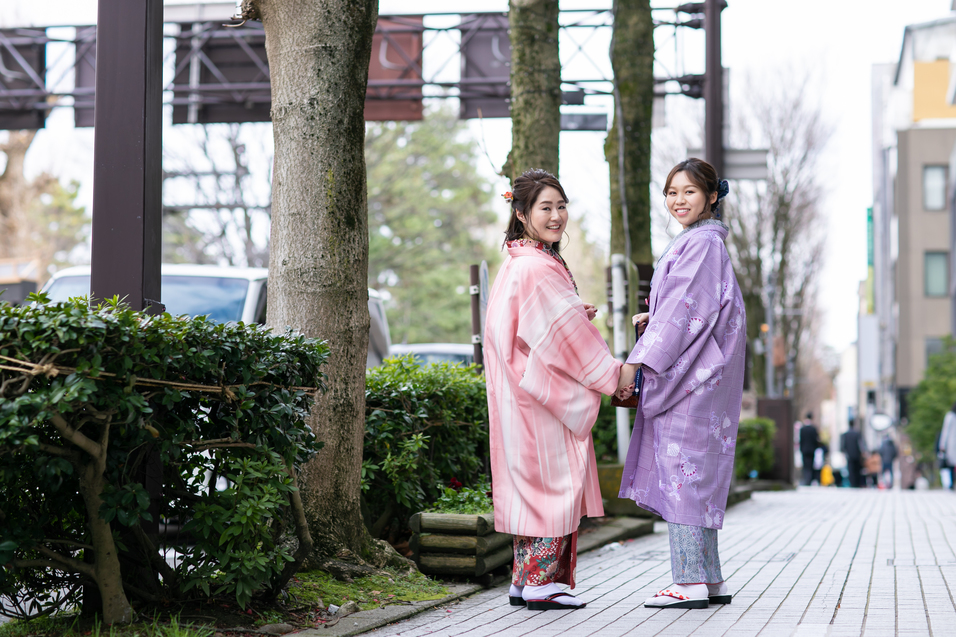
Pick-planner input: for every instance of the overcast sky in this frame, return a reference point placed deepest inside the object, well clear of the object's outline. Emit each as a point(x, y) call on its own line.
point(838, 40)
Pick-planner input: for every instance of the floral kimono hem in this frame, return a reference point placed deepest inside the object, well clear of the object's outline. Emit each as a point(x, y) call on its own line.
point(542, 560)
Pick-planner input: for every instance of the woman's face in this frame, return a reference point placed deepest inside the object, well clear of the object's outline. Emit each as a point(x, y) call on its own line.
point(548, 217)
point(686, 201)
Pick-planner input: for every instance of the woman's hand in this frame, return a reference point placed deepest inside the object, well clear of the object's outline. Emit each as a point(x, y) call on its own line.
point(640, 320)
point(625, 382)
point(591, 311)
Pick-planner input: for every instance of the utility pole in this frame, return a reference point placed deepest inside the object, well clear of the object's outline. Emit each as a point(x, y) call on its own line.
point(771, 287)
point(127, 153)
point(714, 87)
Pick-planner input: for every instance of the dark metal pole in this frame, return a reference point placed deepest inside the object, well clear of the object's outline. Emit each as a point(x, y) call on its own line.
point(476, 334)
point(127, 152)
point(714, 87)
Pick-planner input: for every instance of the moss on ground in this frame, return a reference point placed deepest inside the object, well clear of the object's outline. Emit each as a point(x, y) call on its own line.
point(69, 625)
point(369, 592)
point(310, 594)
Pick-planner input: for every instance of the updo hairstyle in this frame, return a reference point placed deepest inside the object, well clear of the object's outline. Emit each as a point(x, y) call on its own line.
point(525, 192)
point(704, 176)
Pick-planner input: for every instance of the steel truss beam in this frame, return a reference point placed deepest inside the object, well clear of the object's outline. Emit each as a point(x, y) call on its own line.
point(219, 66)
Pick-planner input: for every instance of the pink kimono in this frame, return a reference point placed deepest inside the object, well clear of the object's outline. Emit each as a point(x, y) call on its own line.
point(545, 366)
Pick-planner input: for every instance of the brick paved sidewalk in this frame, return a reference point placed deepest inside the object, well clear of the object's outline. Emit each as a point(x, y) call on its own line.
point(833, 562)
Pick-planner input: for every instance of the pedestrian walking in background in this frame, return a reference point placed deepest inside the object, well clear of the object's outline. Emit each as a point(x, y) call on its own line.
point(888, 454)
point(809, 443)
point(546, 367)
point(947, 444)
point(851, 444)
point(691, 352)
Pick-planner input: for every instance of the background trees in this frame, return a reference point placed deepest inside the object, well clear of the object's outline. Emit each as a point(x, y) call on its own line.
point(429, 217)
point(216, 194)
point(38, 217)
point(776, 227)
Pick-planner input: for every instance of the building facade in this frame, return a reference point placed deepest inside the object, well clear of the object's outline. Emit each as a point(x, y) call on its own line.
point(905, 309)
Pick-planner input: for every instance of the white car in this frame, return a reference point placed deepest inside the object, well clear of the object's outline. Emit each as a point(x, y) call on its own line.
point(427, 353)
point(221, 293)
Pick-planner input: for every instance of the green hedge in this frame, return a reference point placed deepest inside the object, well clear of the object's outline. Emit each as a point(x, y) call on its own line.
point(604, 433)
point(754, 447)
point(115, 425)
point(930, 400)
point(424, 427)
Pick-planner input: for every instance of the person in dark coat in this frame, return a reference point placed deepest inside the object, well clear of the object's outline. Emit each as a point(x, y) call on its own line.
point(851, 444)
point(888, 454)
point(809, 442)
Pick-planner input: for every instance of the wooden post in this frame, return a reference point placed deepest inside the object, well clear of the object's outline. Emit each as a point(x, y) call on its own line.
point(476, 334)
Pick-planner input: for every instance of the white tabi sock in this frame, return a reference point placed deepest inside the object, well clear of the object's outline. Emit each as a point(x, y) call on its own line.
point(541, 592)
point(717, 589)
point(515, 591)
point(694, 591)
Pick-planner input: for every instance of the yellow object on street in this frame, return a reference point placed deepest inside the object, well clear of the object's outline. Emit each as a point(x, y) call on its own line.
point(826, 476)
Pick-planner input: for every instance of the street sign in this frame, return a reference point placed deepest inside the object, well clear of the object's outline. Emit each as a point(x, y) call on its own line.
point(880, 422)
point(740, 163)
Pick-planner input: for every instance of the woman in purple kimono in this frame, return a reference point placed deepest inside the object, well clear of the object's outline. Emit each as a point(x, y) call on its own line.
point(691, 352)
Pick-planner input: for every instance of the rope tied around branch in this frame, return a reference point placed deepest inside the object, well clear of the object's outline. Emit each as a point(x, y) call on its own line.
point(48, 368)
point(44, 367)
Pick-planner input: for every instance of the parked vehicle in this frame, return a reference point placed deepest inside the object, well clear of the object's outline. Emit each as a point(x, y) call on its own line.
point(221, 293)
point(427, 353)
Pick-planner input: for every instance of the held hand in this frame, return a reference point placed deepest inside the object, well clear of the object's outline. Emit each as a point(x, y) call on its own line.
point(626, 380)
point(591, 311)
point(640, 320)
point(625, 392)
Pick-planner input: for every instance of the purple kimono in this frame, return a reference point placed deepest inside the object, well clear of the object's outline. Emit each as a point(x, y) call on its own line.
point(681, 457)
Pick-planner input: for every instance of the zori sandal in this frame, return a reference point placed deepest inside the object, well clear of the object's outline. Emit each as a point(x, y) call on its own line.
point(667, 598)
point(720, 599)
point(516, 600)
point(548, 603)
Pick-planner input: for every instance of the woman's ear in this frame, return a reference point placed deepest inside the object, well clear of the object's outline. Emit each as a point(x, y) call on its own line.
point(713, 197)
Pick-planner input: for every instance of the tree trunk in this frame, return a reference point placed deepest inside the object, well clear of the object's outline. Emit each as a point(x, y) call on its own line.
point(535, 87)
point(106, 568)
point(318, 262)
point(14, 194)
point(632, 59)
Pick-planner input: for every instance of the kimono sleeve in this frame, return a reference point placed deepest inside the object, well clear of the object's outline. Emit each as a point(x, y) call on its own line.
point(688, 305)
point(568, 361)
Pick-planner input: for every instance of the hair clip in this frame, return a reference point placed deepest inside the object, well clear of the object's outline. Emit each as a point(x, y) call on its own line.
point(508, 196)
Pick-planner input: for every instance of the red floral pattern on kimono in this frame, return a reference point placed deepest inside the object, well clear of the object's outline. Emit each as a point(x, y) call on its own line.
point(542, 560)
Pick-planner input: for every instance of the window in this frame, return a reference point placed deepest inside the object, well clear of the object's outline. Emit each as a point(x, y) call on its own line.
point(933, 346)
point(936, 274)
point(934, 187)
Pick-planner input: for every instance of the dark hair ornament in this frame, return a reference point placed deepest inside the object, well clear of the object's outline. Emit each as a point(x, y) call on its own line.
point(723, 189)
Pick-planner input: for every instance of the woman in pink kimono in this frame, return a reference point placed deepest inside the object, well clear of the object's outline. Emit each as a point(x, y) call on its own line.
point(545, 367)
point(691, 354)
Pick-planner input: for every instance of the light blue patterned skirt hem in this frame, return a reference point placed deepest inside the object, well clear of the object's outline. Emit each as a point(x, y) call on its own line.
point(694, 556)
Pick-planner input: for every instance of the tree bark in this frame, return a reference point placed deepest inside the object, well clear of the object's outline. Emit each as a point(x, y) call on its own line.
point(318, 262)
point(632, 59)
point(535, 87)
point(106, 568)
point(15, 192)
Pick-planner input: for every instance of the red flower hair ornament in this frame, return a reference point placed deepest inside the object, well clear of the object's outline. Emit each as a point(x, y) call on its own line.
point(508, 196)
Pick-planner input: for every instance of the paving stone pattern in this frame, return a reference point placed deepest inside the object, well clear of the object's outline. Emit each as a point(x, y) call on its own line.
point(834, 562)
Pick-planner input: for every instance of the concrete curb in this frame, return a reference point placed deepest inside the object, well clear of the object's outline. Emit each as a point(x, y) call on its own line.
point(617, 531)
point(364, 621)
